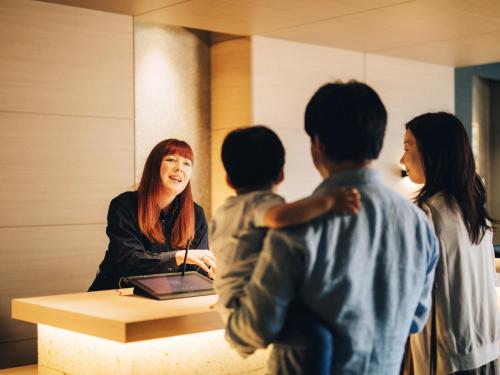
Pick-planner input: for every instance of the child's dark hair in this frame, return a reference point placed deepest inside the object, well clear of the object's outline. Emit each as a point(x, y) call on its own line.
point(349, 119)
point(253, 157)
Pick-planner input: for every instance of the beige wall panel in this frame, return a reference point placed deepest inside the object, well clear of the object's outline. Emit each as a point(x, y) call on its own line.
point(284, 79)
point(412, 22)
point(62, 170)
point(250, 17)
point(407, 88)
point(231, 84)
point(39, 261)
point(65, 60)
point(286, 74)
point(301, 177)
point(172, 66)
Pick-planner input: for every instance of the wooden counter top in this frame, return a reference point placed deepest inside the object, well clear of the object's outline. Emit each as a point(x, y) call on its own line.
point(119, 315)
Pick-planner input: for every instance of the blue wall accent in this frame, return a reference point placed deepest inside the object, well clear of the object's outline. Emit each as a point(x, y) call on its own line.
point(463, 89)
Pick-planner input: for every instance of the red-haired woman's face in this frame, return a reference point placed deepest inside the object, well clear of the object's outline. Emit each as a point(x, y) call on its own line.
point(175, 172)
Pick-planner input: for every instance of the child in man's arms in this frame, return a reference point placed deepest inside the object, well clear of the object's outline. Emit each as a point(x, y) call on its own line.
point(253, 158)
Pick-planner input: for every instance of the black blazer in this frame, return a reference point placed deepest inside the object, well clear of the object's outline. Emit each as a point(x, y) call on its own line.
point(131, 253)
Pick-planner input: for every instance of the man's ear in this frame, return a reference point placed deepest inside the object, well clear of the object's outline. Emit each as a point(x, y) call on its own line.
point(317, 144)
point(228, 182)
point(315, 147)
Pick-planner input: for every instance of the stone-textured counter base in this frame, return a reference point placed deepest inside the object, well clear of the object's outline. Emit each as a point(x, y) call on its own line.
point(65, 352)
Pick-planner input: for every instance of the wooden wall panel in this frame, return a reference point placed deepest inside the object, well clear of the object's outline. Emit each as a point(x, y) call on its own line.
point(254, 16)
point(411, 23)
point(62, 170)
point(448, 32)
point(66, 149)
point(39, 261)
point(231, 85)
point(130, 7)
point(65, 60)
point(18, 353)
point(472, 50)
point(220, 189)
point(231, 103)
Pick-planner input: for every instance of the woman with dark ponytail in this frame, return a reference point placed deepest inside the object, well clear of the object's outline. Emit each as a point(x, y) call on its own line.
point(464, 334)
point(149, 228)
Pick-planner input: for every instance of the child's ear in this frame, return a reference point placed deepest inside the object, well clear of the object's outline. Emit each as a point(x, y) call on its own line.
point(228, 182)
point(281, 176)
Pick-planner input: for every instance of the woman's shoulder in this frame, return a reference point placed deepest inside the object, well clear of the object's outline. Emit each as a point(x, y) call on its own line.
point(198, 210)
point(436, 201)
point(125, 200)
point(445, 215)
point(438, 204)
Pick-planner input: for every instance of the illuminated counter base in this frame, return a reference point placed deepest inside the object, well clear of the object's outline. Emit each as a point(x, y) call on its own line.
point(62, 351)
point(108, 333)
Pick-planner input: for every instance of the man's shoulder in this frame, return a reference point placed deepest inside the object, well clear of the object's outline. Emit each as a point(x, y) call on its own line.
point(401, 206)
point(408, 220)
point(296, 235)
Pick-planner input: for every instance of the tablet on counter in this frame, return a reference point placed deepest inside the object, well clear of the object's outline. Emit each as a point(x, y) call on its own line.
point(172, 285)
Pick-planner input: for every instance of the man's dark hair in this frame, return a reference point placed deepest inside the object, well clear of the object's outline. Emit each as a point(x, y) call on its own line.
point(253, 157)
point(349, 120)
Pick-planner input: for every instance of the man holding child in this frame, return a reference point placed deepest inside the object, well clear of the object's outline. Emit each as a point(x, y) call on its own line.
point(359, 275)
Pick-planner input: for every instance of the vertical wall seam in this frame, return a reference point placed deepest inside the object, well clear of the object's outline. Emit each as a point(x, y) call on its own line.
point(364, 67)
point(251, 80)
point(134, 135)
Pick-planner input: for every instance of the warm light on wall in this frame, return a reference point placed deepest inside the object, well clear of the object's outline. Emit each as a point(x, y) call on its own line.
point(172, 96)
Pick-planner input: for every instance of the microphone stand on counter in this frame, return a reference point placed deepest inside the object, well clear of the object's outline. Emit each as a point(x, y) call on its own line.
point(185, 256)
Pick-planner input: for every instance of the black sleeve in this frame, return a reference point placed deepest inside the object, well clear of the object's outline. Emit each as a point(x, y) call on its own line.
point(127, 244)
point(201, 229)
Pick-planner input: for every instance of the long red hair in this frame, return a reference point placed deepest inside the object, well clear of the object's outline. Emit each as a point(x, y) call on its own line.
point(149, 193)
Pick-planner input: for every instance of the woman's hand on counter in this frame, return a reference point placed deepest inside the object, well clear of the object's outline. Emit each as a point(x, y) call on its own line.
point(204, 259)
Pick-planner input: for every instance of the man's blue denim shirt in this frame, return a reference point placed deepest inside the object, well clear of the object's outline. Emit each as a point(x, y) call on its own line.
point(368, 276)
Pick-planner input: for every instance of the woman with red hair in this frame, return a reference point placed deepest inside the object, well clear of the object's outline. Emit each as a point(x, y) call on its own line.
point(149, 228)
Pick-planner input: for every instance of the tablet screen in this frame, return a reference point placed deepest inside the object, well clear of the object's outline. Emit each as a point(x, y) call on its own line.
point(172, 284)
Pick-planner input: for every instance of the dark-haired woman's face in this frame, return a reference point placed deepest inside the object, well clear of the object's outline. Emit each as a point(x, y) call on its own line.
point(412, 160)
point(175, 172)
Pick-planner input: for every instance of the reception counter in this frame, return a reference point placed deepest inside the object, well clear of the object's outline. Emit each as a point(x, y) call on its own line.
point(116, 332)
